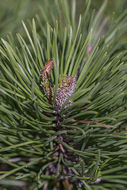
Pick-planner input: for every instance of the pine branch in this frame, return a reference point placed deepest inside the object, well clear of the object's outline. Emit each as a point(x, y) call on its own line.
point(81, 144)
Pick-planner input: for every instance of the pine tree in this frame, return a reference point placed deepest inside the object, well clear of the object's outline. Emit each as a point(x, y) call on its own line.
point(63, 102)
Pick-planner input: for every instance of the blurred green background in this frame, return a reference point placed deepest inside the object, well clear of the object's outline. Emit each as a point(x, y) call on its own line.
point(13, 11)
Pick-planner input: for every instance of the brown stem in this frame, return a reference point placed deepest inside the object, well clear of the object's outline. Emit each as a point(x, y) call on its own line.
point(45, 186)
point(67, 184)
point(61, 148)
point(96, 123)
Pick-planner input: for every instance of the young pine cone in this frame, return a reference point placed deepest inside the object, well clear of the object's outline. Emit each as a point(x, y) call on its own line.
point(64, 91)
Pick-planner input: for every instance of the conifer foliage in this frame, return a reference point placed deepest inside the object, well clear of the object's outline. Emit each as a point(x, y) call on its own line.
point(63, 102)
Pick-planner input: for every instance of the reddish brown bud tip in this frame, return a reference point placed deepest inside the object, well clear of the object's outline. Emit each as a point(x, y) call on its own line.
point(47, 70)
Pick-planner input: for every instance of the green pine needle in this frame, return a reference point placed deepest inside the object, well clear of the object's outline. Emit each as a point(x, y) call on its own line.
point(84, 145)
